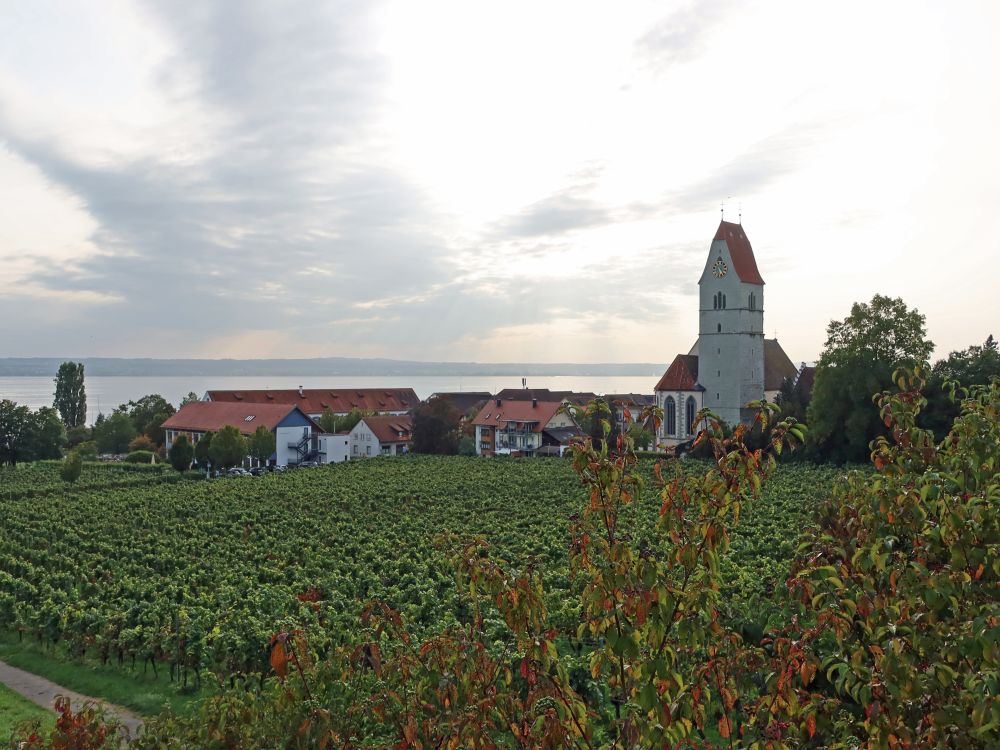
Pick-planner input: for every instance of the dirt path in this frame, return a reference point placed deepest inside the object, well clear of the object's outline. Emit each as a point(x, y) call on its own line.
point(43, 692)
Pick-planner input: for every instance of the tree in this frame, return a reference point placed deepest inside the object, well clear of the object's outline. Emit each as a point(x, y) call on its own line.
point(27, 435)
point(181, 453)
point(898, 584)
point(71, 468)
point(45, 435)
point(113, 434)
point(13, 429)
point(860, 355)
point(202, 447)
point(262, 444)
point(141, 443)
point(436, 427)
point(977, 365)
point(192, 396)
point(327, 421)
point(147, 414)
point(467, 446)
point(330, 422)
point(70, 395)
point(228, 447)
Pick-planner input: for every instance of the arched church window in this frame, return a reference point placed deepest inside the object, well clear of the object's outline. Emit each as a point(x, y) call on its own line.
point(692, 410)
point(715, 301)
point(670, 415)
point(723, 302)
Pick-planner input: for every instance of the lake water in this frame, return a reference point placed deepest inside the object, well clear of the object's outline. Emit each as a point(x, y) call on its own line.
point(105, 393)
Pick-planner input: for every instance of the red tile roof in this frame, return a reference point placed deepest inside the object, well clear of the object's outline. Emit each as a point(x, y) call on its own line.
point(209, 416)
point(318, 400)
point(538, 414)
point(682, 375)
point(391, 429)
point(740, 251)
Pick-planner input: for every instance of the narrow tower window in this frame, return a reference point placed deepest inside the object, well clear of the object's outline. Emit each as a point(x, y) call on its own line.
point(720, 327)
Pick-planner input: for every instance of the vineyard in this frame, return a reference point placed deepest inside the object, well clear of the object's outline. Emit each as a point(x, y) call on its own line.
point(42, 478)
point(194, 577)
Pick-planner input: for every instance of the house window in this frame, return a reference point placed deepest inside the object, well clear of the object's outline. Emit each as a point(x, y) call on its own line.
point(368, 450)
point(692, 410)
point(670, 415)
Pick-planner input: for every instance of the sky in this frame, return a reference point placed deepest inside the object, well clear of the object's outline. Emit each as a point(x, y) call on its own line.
point(495, 182)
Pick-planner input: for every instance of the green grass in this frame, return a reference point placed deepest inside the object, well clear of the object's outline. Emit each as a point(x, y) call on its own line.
point(15, 710)
point(143, 694)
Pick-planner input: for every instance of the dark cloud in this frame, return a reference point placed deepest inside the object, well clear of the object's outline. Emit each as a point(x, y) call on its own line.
point(764, 163)
point(280, 221)
point(561, 212)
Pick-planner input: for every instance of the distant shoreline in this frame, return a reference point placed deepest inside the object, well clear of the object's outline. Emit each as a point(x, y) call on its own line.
point(324, 366)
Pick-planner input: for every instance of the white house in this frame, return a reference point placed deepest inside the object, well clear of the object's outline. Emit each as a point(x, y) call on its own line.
point(381, 436)
point(294, 432)
point(334, 447)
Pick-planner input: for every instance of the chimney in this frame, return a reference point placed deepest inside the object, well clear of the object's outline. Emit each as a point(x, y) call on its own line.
point(498, 403)
point(301, 394)
point(534, 403)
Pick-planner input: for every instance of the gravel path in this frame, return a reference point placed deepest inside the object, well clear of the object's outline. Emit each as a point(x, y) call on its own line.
point(43, 692)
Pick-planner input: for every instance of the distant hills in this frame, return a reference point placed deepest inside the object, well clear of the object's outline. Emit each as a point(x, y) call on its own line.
point(113, 366)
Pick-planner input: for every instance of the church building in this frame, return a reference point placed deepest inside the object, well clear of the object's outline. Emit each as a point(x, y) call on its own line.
point(732, 363)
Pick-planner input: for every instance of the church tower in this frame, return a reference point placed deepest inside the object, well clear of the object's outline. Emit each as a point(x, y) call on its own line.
point(731, 326)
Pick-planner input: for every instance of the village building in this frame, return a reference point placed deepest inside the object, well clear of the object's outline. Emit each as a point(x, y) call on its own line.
point(515, 427)
point(295, 434)
point(732, 363)
point(381, 436)
point(315, 401)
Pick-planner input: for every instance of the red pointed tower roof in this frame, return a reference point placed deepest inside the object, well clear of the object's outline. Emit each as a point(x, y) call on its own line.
point(739, 249)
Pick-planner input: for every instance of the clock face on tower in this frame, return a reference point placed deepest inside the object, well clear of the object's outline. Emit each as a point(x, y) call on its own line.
point(720, 268)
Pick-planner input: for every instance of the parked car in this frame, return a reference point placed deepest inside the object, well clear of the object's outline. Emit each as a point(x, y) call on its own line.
point(308, 464)
point(236, 471)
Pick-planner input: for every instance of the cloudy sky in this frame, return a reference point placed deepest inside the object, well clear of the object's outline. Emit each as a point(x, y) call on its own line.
point(516, 181)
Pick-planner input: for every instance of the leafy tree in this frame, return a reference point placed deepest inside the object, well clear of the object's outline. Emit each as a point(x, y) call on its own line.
point(181, 453)
point(142, 443)
point(330, 422)
point(77, 435)
point(262, 444)
point(87, 450)
point(860, 355)
point(45, 435)
point(641, 437)
point(436, 427)
point(327, 421)
point(70, 395)
point(977, 365)
point(792, 399)
point(228, 447)
point(898, 584)
point(147, 414)
point(113, 434)
point(467, 446)
point(192, 396)
point(71, 467)
point(202, 448)
point(27, 435)
point(13, 430)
